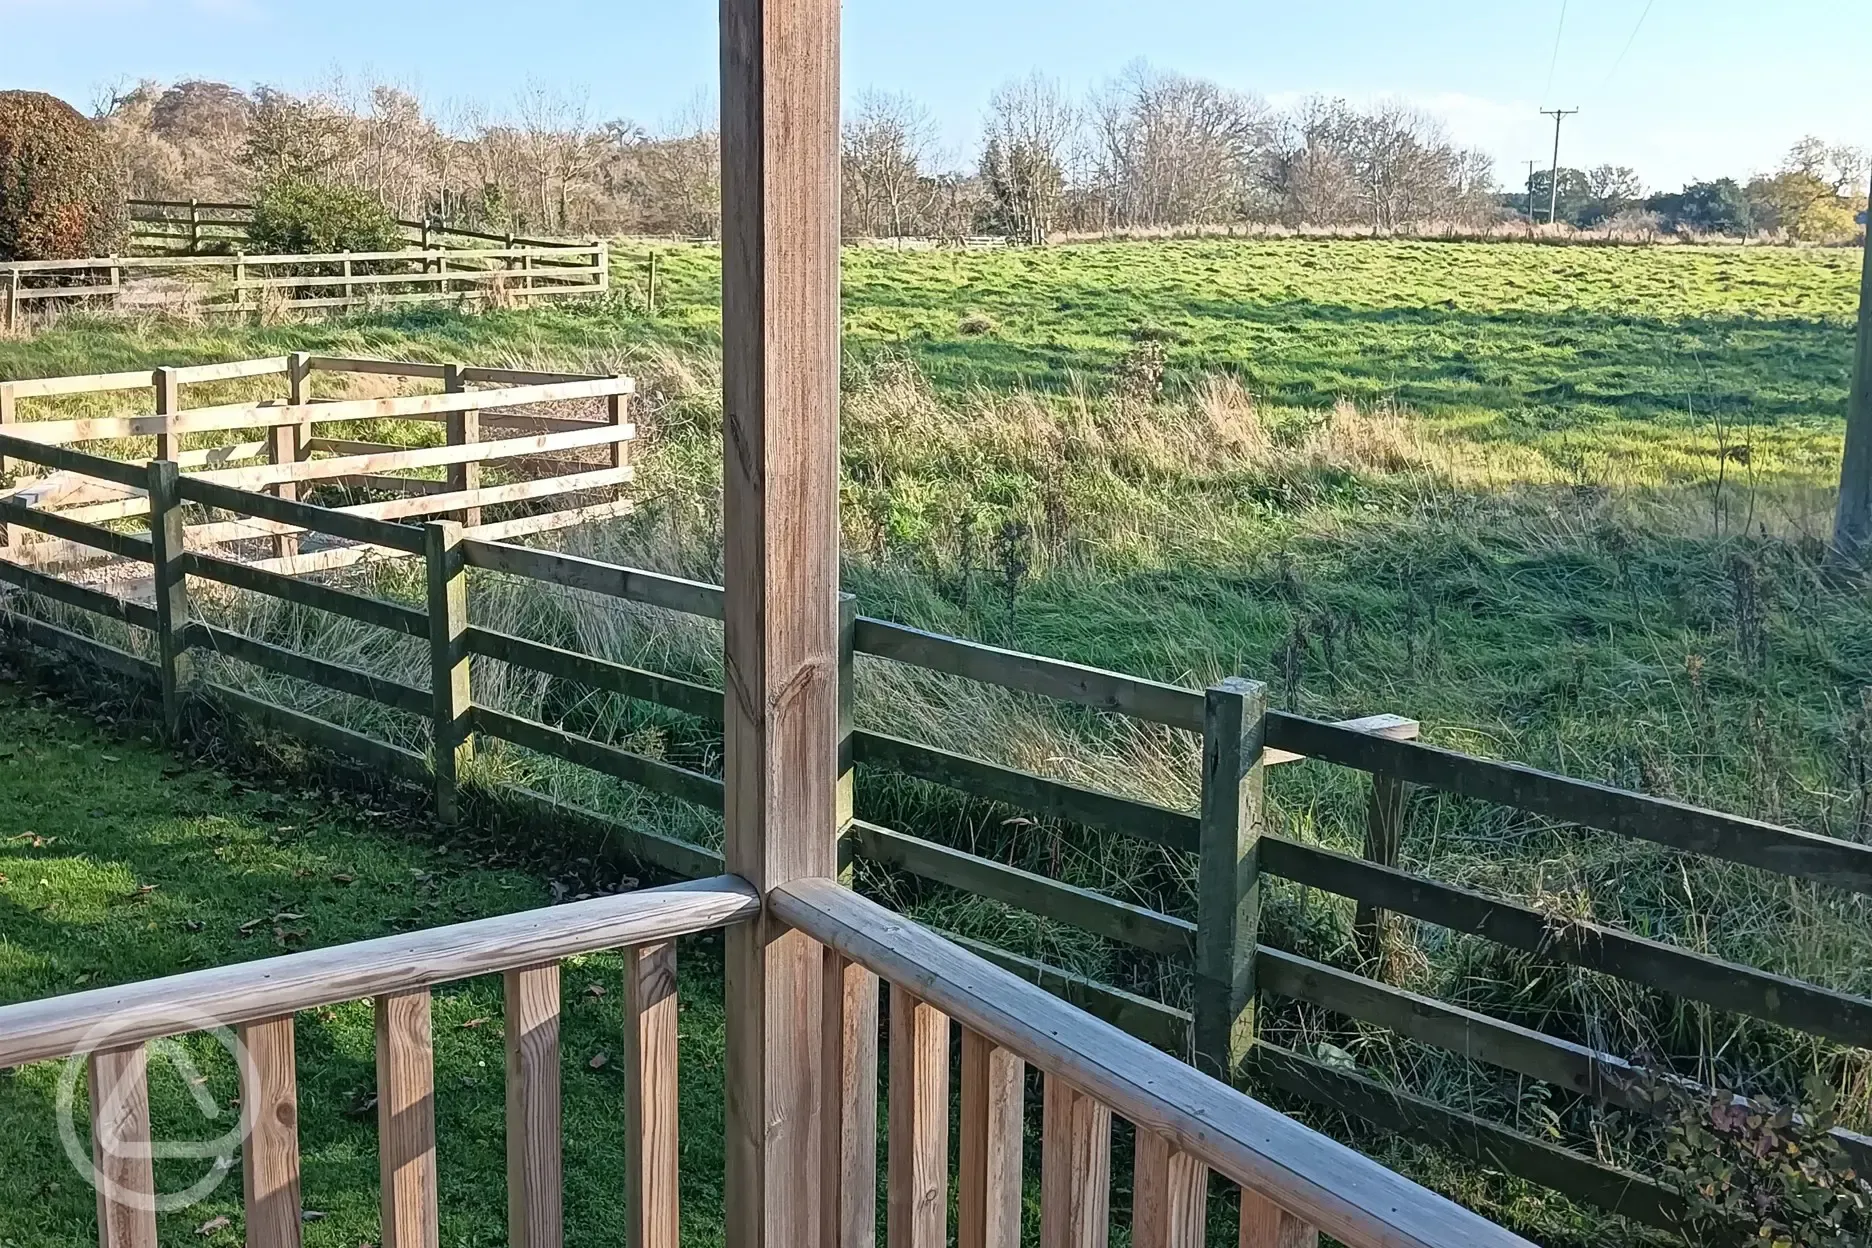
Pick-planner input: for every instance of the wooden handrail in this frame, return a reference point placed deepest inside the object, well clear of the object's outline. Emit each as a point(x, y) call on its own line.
point(1344, 1194)
point(271, 987)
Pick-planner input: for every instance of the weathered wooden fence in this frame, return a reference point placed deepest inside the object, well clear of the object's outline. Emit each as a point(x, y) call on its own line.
point(1228, 965)
point(188, 227)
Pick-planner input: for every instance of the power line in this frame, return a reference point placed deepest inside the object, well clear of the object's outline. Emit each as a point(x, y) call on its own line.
point(1553, 202)
point(1629, 42)
point(1554, 64)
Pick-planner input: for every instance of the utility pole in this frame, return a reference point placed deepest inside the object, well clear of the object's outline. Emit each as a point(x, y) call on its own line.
point(1852, 524)
point(1530, 192)
point(1559, 115)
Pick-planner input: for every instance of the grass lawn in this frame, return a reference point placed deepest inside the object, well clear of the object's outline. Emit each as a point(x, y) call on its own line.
point(117, 863)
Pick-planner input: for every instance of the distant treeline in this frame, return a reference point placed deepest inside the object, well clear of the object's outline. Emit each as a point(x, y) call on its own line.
point(1149, 150)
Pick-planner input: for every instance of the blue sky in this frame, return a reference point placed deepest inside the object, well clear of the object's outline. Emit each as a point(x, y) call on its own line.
point(1708, 86)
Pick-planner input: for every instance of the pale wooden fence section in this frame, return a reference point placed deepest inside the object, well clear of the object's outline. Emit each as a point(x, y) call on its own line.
point(189, 226)
point(244, 284)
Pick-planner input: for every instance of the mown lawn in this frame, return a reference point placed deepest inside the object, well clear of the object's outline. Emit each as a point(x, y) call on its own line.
point(118, 863)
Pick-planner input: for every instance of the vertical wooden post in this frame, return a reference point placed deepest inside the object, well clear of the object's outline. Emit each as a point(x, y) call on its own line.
point(848, 1207)
point(650, 298)
point(168, 403)
point(1265, 1224)
point(603, 261)
point(453, 696)
point(918, 1165)
point(270, 1123)
point(847, 699)
point(464, 429)
point(780, 383)
point(350, 291)
point(535, 1148)
point(120, 1148)
point(240, 280)
point(9, 416)
point(993, 1087)
point(12, 300)
point(1075, 1168)
point(1384, 840)
point(406, 1149)
point(168, 552)
point(1852, 524)
point(1169, 1195)
point(650, 1118)
point(617, 413)
point(1228, 900)
point(286, 443)
point(194, 227)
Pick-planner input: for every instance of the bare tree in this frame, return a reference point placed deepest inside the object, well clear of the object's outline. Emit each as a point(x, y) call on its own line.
point(1174, 150)
point(1031, 127)
point(887, 141)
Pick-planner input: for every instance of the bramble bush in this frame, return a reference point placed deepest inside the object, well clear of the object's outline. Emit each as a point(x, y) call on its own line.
point(61, 184)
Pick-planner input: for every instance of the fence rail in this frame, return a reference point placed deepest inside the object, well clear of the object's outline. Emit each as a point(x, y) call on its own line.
point(184, 226)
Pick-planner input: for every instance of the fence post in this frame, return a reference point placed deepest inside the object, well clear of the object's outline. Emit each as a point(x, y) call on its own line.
point(847, 699)
point(9, 414)
point(1384, 838)
point(286, 444)
point(348, 288)
point(617, 412)
point(194, 222)
point(168, 403)
point(650, 296)
point(12, 300)
point(464, 429)
point(448, 662)
point(240, 280)
point(168, 553)
point(1228, 888)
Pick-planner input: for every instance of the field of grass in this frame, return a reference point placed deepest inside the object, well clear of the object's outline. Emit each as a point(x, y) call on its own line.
point(1564, 505)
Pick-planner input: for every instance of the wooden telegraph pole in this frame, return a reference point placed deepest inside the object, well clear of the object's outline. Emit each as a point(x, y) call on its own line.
point(1852, 524)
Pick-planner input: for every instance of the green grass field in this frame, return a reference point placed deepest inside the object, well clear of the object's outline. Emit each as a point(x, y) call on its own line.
point(1564, 505)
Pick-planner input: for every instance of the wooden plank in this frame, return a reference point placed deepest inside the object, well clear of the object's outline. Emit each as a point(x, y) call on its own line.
point(353, 747)
point(1349, 1197)
point(81, 596)
point(541, 424)
point(464, 428)
point(918, 1181)
point(90, 383)
point(270, 1126)
point(406, 1140)
point(1618, 1191)
point(1075, 1168)
point(409, 406)
point(283, 448)
point(651, 1183)
point(326, 560)
point(452, 715)
point(1228, 882)
point(526, 526)
point(1094, 912)
point(848, 1212)
point(33, 452)
point(123, 545)
point(403, 460)
point(120, 1147)
point(347, 523)
point(235, 453)
point(1054, 678)
point(1265, 1224)
point(1053, 799)
point(168, 409)
point(649, 773)
point(341, 677)
point(1162, 1026)
point(169, 564)
point(1392, 727)
point(672, 593)
point(1803, 855)
point(85, 649)
point(232, 371)
point(534, 1143)
point(625, 681)
point(381, 612)
point(1723, 985)
point(352, 446)
point(993, 1087)
point(1169, 1196)
point(488, 496)
point(523, 377)
point(383, 368)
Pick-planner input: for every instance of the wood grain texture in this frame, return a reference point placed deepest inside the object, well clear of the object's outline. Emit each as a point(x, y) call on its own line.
point(464, 429)
point(918, 1181)
point(535, 1162)
point(848, 1208)
point(994, 1084)
point(452, 715)
point(1169, 1195)
point(36, 1030)
point(270, 1119)
point(406, 1136)
point(1265, 1224)
point(120, 1148)
point(1346, 1195)
point(1075, 1168)
point(651, 1189)
point(169, 561)
point(168, 407)
point(780, 404)
point(1374, 930)
point(1228, 883)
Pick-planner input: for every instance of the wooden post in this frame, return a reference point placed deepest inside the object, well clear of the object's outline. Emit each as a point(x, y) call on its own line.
point(1169, 1195)
point(1265, 1224)
point(168, 403)
point(651, 1109)
point(1228, 900)
point(449, 663)
point(993, 1086)
point(194, 223)
point(848, 1205)
point(12, 300)
point(603, 260)
point(286, 444)
point(1852, 524)
point(535, 1149)
point(9, 416)
point(350, 291)
point(464, 429)
point(270, 1125)
point(240, 279)
point(1384, 840)
point(780, 382)
point(406, 1149)
point(116, 280)
point(168, 548)
point(1075, 1168)
point(617, 412)
point(120, 1148)
point(650, 298)
point(847, 699)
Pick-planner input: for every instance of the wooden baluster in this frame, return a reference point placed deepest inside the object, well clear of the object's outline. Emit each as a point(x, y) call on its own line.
point(1075, 1169)
point(1169, 1195)
point(848, 1191)
point(993, 1087)
point(1265, 1224)
point(270, 1122)
point(918, 1215)
point(534, 1217)
point(120, 1148)
point(406, 1153)
point(650, 1120)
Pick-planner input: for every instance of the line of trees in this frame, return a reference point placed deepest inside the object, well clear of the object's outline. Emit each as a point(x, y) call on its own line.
point(1150, 149)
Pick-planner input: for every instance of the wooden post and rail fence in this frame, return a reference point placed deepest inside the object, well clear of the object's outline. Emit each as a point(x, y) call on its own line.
point(1229, 967)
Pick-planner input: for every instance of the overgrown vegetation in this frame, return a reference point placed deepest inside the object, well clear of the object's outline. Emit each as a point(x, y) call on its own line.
point(296, 216)
point(61, 193)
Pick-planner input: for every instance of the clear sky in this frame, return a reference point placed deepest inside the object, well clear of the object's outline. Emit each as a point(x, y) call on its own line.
point(1707, 87)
